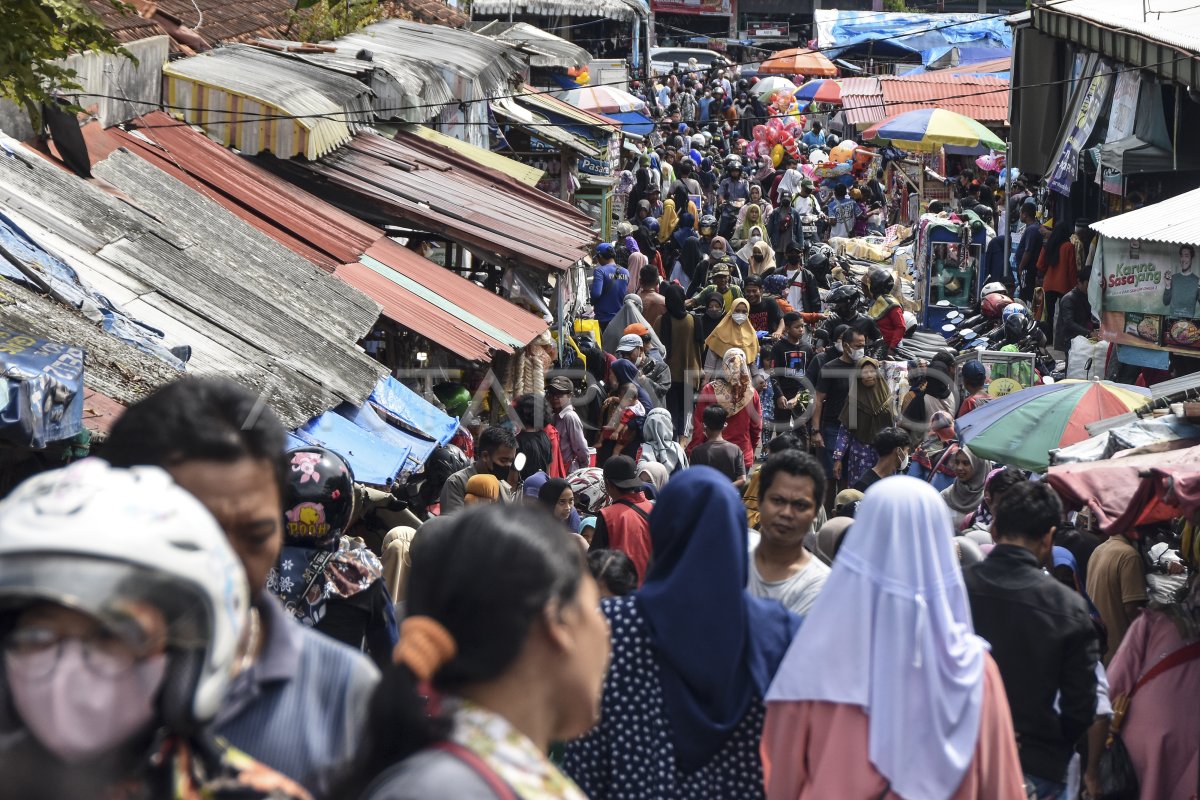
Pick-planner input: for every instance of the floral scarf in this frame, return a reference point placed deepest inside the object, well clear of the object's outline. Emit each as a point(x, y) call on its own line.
point(733, 392)
point(305, 591)
point(511, 755)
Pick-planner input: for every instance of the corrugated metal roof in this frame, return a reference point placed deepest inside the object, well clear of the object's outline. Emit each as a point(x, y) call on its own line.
point(249, 87)
point(189, 268)
point(331, 237)
point(543, 49)
point(404, 88)
point(431, 12)
point(979, 97)
point(99, 410)
point(537, 125)
point(1172, 221)
point(409, 180)
point(509, 166)
point(1172, 22)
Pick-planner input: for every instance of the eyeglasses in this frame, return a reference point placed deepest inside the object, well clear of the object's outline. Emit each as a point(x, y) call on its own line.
point(36, 651)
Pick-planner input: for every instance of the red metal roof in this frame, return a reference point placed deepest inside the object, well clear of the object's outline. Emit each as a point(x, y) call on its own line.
point(410, 181)
point(329, 237)
point(979, 97)
point(100, 411)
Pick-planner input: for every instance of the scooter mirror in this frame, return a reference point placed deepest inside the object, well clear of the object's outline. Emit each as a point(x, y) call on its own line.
point(1048, 380)
point(969, 334)
point(519, 462)
point(949, 328)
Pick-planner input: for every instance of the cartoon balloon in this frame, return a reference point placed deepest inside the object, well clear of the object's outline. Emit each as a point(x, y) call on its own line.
point(777, 155)
point(695, 156)
point(760, 133)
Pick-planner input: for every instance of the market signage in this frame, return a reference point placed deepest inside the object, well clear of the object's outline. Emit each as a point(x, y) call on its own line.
point(1087, 112)
point(691, 7)
point(1155, 287)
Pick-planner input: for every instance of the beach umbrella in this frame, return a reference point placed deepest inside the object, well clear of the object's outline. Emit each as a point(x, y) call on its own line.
point(603, 100)
point(821, 90)
point(928, 129)
point(769, 86)
point(1020, 429)
point(798, 61)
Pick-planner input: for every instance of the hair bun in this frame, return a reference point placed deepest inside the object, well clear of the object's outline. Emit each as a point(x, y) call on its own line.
point(424, 646)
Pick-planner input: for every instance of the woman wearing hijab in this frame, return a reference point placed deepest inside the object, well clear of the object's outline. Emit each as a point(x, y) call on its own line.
point(760, 256)
point(624, 414)
point(853, 453)
point(735, 393)
point(654, 474)
point(965, 494)
point(756, 199)
point(658, 442)
point(752, 218)
point(886, 691)
point(933, 391)
point(676, 330)
point(733, 331)
point(630, 314)
point(681, 712)
point(531, 488)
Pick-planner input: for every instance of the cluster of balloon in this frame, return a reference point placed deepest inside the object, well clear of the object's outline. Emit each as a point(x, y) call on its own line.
point(778, 137)
point(579, 75)
point(992, 162)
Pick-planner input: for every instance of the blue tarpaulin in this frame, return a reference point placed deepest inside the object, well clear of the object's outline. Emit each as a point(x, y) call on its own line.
point(412, 410)
point(373, 459)
point(897, 34)
point(64, 282)
point(42, 389)
point(418, 448)
point(634, 122)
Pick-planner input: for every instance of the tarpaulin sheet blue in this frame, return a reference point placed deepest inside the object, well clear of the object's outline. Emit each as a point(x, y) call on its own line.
point(912, 33)
point(373, 459)
point(42, 389)
point(634, 122)
point(413, 410)
point(68, 288)
point(365, 417)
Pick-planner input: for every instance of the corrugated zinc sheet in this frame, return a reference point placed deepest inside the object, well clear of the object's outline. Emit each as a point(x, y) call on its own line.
point(979, 97)
point(411, 181)
point(509, 166)
point(542, 48)
point(612, 9)
point(1171, 22)
point(248, 98)
point(1173, 221)
point(239, 316)
point(331, 237)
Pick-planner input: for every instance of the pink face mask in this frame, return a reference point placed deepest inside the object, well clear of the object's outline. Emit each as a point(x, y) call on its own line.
point(78, 714)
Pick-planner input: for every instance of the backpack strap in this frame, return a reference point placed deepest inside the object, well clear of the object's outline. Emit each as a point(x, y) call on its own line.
point(467, 756)
point(640, 512)
point(1120, 703)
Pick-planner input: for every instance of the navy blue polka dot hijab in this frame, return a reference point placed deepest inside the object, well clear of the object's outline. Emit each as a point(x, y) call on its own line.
point(717, 647)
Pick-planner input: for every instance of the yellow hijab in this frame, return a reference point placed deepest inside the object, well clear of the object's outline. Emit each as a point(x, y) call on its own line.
point(729, 334)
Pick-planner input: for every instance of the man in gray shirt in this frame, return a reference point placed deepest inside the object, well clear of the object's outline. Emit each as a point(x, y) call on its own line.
point(780, 567)
point(494, 454)
point(1180, 291)
point(571, 440)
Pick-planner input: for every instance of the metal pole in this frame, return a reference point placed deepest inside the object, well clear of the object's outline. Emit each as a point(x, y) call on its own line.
point(1008, 223)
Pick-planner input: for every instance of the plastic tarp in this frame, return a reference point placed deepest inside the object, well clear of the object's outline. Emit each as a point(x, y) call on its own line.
point(67, 287)
point(417, 449)
point(1147, 435)
point(929, 35)
point(413, 410)
point(633, 122)
point(1123, 492)
point(42, 385)
point(373, 459)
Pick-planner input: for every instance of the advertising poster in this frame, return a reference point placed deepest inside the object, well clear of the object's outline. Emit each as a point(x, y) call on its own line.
point(1151, 278)
point(1087, 112)
point(691, 7)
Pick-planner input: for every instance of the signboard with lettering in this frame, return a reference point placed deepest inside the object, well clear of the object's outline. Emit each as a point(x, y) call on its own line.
point(1151, 294)
point(691, 7)
point(1087, 112)
point(41, 391)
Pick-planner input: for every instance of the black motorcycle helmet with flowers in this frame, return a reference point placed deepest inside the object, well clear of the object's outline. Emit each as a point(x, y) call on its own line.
point(318, 498)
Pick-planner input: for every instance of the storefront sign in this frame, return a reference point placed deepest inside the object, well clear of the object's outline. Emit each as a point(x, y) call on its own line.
point(1087, 112)
point(1151, 278)
point(691, 7)
point(768, 30)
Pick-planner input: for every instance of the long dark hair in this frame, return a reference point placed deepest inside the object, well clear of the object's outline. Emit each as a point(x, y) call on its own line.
point(1058, 237)
point(486, 574)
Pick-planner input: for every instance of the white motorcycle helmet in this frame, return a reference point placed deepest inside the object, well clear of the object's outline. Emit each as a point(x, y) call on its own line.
point(93, 538)
point(995, 287)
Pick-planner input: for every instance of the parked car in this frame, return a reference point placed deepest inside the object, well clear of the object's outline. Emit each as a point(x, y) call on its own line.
point(663, 59)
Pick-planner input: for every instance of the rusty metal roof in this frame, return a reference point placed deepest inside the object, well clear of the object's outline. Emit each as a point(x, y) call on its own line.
point(334, 240)
point(430, 12)
point(410, 181)
point(979, 97)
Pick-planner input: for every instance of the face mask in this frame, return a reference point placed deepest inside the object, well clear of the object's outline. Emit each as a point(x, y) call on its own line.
point(740, 319)
point(758, 257)
point(714, 313)
point(837, 346)
point(904, 462)
point(755, 239)
point(717, 255)
point(78, 714)
point(857, 355)
point(500, 472)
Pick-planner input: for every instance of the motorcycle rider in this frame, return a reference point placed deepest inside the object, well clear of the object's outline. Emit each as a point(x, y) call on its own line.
point(783, 227)
point(327, 580)
point(807, 204)
point(733, 187)
point(885, 308)
point(845, 309)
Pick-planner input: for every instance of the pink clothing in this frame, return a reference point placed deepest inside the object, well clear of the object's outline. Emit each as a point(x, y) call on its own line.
point(1163, 740)
point(743, 428)
point(816, 750)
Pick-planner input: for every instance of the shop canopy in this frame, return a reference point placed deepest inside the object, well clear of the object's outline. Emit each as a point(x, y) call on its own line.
point(842, 32)
point(1172, 221)
point(410, 182)
point(439, 306)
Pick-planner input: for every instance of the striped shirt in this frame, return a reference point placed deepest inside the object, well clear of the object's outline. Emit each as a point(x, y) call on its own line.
point(301, 707)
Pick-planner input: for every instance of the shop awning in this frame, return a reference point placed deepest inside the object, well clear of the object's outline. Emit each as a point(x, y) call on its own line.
point(509, 166)
point(411, 181)
point(329, 237)
point(395, 399)
point(540, 127)
point(1173, 221)
point(1131, 155)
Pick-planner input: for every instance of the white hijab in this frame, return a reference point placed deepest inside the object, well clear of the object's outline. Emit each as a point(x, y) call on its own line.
point(891, 632)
